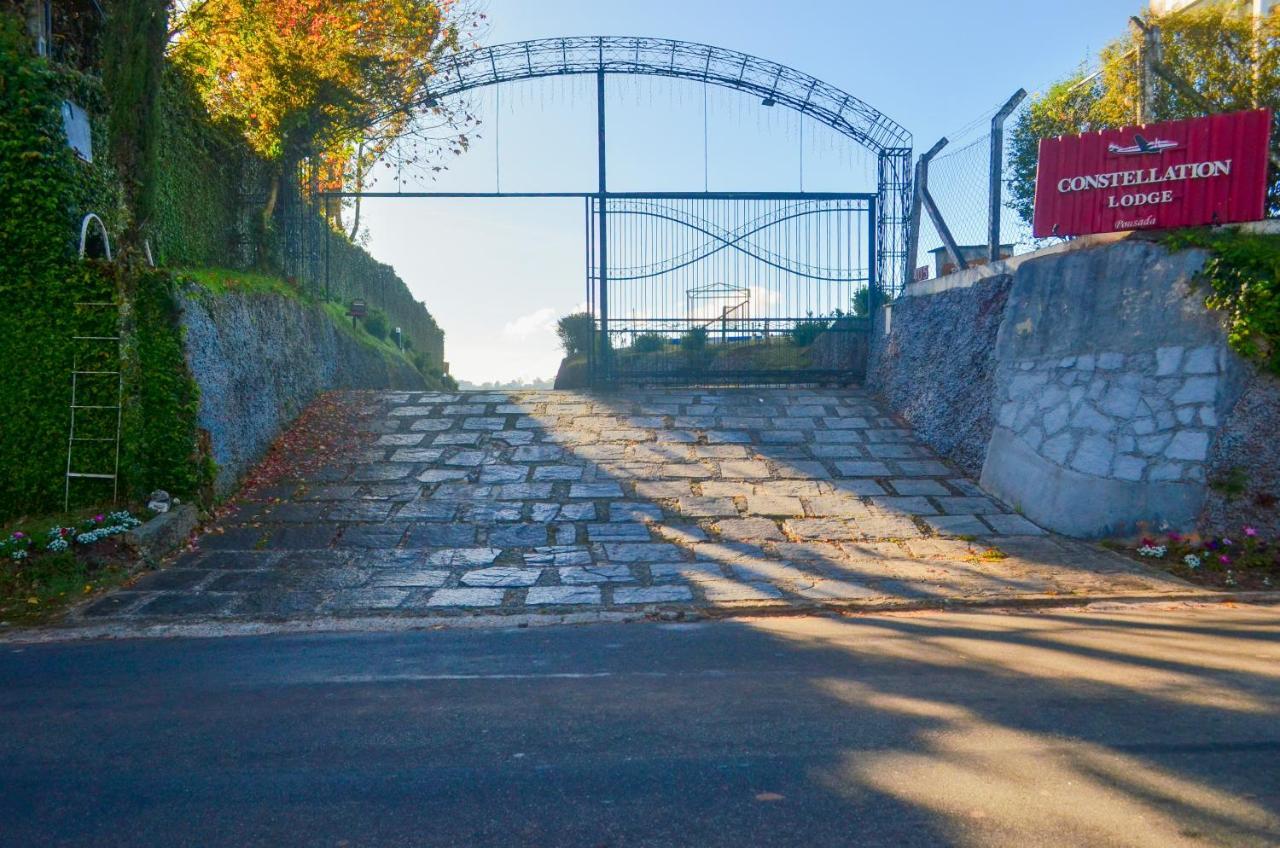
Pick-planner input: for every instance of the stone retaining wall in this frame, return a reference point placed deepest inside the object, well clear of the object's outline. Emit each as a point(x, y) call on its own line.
point(937, 367)
point(1098, 397)
point(260, 359)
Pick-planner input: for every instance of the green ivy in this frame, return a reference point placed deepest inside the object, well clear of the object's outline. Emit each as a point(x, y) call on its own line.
point(162, 446)
point(44, 191)
point(1243, 274)
point(196, 183)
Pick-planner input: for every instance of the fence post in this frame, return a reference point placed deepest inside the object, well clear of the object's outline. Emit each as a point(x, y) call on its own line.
point(1148, 61)
point(935, 214)
point(913, 228)
point(997, 173)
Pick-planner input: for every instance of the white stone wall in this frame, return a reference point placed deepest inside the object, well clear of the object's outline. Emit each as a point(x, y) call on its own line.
point(1131, 417)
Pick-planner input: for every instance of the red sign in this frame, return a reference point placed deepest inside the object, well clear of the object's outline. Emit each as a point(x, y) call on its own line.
point(1190, 173)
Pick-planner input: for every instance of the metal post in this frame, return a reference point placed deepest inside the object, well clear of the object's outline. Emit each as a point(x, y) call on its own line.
point(603, 224)
point(997, 173)
point(873, 277)
point(913, 228)
point(328, 239)
point(1148, 60)
point(935, 215)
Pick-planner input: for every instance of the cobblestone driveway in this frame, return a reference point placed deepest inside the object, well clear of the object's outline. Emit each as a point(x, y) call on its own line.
point(664, 500)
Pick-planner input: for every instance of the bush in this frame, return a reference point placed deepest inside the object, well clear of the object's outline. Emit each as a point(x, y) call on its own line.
point(576, 332)
point(694, 340)
point(804, 333)
point(1243, 275)
point(649, 343)
point(375, 324)
point(861, 307)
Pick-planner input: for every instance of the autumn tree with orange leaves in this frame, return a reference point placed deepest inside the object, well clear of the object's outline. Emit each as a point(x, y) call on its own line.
point(334, 81)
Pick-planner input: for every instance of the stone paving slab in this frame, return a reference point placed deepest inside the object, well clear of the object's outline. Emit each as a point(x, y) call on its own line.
point(679, 500)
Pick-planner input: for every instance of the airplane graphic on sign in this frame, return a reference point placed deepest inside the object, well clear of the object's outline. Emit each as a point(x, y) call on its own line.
point(1143, 146)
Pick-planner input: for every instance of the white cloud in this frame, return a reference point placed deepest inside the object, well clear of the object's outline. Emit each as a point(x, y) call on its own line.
point(535, 323)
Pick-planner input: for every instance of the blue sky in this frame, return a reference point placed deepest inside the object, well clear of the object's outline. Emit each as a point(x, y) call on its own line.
point(496, 273)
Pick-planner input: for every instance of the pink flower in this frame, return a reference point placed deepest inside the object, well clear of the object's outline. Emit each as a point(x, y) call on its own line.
point(1175, 537)
point(19, 535)
point(1251, 531)
point(1225, 560)
point(98, 519)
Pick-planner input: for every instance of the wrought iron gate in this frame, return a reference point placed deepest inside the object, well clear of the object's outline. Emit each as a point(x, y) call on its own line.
point(730, 289)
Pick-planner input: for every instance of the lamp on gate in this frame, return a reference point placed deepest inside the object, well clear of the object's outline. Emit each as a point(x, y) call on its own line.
point(769, 101)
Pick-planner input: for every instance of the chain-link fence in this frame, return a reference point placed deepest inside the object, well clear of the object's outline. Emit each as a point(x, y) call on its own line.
point(959, 181)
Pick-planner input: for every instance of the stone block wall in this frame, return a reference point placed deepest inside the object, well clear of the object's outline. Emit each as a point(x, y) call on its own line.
point(1111, 399)
point(1142, 416)
point(260, 359)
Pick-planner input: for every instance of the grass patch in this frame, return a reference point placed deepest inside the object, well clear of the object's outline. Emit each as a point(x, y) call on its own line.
point(228, 281)
point(338, 313)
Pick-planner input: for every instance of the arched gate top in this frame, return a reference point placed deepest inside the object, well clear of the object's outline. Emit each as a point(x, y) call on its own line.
point(773, 83)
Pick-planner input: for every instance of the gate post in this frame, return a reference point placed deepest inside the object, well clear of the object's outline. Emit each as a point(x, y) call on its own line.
point(873, 263)
point(604, 230)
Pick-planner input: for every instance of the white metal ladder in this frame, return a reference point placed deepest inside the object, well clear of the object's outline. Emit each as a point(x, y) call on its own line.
point(83, 348)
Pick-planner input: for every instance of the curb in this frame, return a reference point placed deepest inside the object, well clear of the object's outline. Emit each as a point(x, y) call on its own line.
point(213, 629)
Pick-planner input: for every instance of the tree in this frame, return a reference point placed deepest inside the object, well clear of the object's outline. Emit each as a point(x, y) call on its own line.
point(329, 79)
point(576, 332)
point(1221, 51)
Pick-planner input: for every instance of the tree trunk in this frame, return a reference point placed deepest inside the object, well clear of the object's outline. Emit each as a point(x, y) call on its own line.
point(355, 224)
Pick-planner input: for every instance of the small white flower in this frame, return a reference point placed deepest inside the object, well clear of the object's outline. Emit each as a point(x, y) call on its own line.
point(19, 554)
point(1191, 560)
point(1153, 551)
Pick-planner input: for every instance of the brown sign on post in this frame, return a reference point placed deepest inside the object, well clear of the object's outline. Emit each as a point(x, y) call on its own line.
point(357, 310)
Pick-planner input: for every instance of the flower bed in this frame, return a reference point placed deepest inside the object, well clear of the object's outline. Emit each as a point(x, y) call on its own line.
point(19, 546)
point(1244, 561)
point(43, 570)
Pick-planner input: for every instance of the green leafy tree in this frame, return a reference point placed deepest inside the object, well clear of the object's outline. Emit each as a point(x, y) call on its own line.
point(1220, 51)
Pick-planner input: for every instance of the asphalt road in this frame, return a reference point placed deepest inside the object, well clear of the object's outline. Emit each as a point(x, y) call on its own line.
point(1062, 728)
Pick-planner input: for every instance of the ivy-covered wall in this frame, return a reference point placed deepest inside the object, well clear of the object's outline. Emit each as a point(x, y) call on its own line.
point(353, 273)
point(202, 184)
point(196, 198)
point(44, 191)
point(207, 200)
